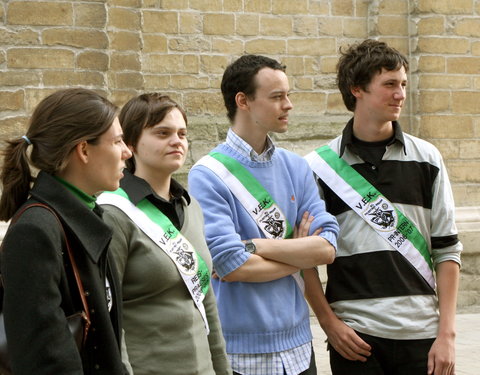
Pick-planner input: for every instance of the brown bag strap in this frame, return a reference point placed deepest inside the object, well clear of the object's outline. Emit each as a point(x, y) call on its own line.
point(86, 312)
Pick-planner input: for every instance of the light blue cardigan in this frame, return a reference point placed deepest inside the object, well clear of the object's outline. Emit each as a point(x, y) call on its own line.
point(259, 317)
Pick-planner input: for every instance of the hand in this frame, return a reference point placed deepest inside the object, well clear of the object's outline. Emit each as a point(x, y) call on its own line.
point(441, 357)
point(346, 342)
point(215, 276)
point(302, 229)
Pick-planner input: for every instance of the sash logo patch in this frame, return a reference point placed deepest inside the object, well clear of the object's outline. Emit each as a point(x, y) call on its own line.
point(272, 221)
point(185, 258)
point(381, 214)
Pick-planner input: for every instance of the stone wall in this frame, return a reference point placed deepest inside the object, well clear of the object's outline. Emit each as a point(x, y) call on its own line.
point(124, 47)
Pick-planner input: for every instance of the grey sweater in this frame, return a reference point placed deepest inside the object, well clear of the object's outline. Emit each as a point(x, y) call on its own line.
point(164, 331)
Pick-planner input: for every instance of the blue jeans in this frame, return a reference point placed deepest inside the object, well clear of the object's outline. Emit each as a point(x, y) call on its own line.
point(389, 357)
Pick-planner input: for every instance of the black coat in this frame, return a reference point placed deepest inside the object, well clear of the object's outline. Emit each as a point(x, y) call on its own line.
point(39, 293)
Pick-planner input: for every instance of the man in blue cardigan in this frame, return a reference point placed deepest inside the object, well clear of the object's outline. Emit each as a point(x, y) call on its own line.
point(265, 225)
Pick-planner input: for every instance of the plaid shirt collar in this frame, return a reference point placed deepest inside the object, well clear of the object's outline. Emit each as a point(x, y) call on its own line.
point(242, 147)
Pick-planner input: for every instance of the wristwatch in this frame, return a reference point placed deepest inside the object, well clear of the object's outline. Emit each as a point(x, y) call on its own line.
point(250, 246)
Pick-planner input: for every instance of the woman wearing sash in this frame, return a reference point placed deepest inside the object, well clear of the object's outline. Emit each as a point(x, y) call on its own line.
point(75, 142)
point(170, 316)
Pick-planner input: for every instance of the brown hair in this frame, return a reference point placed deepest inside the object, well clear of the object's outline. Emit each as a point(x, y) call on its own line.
point(58, 123)
point(360, 62)
point(240, 76)
point(141, 112)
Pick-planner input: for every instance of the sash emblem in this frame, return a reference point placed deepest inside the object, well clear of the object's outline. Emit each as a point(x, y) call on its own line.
point(271, 220)
point(185, 257)
point(381, 214)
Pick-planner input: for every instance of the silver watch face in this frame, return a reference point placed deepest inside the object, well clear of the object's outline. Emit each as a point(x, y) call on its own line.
point(250, 247)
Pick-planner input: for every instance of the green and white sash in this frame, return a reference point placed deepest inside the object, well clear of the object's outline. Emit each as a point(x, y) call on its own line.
point(376, 210)
point(159, 229)
point(254, 198)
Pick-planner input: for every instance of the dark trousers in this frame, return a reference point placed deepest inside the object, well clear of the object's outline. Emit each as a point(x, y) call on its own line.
point(389, 357)
point(312, 370)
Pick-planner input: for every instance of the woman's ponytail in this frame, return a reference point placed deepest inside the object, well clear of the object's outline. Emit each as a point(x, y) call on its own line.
point(15, 176)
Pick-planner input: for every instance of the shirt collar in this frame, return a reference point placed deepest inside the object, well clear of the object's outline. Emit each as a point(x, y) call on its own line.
point(238, 144)
point(137, 189)
point(347, 136)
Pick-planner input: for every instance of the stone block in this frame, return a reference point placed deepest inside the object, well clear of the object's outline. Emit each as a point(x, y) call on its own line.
point(290, 7)
point(189, 44)
point(443, 81)
point(233, 6)
point(207, 5)
point(124, 19)
point(33, 96)
point(213, 64)
point(255, 6)
point(445, 6)
point(447, 126)
point(303, 83)
point(186, 81)
point(39, 58)
point(433, 25)
point(218, 24)
point(125, 61)
point(464, 170)
point(463, 65)
point(190, 23)
point(434, 101)
point(172, 4)
point(12, 127)
point(206, 103)
point(335, 103)
point(265, 46)
point(156, 82)
point(443, 45)
point(40, 13)
point(75, 38)
point(342, 7)
point(328, 65)
point(448, 148)
point(69, 78)
point(153, 43)
point(90, 15)
point(160, 22)
point(465, 102)
point(125, 41)
point(19, 78)
point(355, 27)
point(305, 26)
point(308, 103)
point(469, 149)
point(392, 25)
point(130, 80)
point(466, 194)
point(228, 47)
point(432, 64)
point(468, 27)
point(124, 3)
point(247, 24)
point(330, 26)
point(11, 100)
point(312, 46)
point(393, 7)
point(19, 37)
point(475, 48)
point(276, 25)
point(295, 65)
point(94, 60)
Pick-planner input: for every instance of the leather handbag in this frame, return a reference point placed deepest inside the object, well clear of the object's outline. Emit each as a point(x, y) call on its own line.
point(78, 323)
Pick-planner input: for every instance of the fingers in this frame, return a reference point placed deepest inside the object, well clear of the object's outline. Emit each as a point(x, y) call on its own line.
point(347, 343)
point(304, 226)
